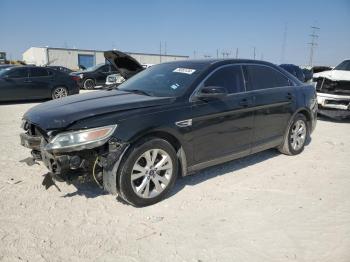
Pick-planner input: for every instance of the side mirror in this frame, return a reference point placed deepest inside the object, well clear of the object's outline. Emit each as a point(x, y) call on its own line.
point(212, 92)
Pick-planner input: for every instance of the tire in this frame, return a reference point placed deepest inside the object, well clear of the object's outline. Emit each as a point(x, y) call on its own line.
point(296, 137)
point(59, 92)
point(137, 177)
point(89, 84)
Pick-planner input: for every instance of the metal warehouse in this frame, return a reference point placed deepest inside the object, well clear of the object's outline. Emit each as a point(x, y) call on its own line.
point(73, 58)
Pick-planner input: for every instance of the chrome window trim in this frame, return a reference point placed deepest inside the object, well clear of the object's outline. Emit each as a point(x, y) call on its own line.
point(193, 95)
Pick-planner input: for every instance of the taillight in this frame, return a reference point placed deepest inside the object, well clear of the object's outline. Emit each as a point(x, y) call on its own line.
point(76, 78)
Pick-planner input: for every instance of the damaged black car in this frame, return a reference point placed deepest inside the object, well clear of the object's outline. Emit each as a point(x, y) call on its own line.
point(171, 119)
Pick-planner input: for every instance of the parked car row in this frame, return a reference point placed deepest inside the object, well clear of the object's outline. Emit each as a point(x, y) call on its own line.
point(32, 82)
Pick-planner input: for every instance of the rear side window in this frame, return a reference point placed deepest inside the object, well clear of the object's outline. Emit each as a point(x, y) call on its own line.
point(38, 72)
point(229, 77)
point(262, 77)
point(18, 73)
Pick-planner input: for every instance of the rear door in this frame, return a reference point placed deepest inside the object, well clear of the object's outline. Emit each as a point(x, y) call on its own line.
point(274, 102)
point(15, 85)
point(41, 82)
point(223, 127)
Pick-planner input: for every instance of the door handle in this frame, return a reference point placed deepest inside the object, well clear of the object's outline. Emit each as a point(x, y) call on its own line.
point(244, 102)
point(289, 96)
point(28, 81)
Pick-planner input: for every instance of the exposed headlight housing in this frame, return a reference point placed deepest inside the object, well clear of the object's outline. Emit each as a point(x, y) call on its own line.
point(80, 140)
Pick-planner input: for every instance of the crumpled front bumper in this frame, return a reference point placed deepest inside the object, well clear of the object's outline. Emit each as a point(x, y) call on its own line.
point(333, 101)
point(70, 165)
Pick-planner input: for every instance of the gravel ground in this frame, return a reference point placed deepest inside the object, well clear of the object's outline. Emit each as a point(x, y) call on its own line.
point(265, 207)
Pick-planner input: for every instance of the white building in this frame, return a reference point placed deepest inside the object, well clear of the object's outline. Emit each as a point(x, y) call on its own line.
point(72, 58)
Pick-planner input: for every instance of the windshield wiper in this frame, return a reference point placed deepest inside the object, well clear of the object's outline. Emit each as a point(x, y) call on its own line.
point(137, 91)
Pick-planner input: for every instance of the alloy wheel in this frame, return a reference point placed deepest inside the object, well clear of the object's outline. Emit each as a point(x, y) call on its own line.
point(298, 135)
point(151, 173)
point(60, 92)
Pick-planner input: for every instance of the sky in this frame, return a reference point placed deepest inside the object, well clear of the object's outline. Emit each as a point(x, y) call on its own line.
point(188, 27)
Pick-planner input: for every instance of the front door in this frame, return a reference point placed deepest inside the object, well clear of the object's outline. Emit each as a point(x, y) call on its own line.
point(223, 127)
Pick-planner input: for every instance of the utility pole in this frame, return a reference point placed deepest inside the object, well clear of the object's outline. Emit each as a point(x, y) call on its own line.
point(313, 43)
point(254, 53)
point(236, 52)
point(217, 53)
point(165, 48)
point(194, 54)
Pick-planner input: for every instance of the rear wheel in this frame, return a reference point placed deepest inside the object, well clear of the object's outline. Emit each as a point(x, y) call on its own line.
point(89, 84)
point(59, 92)
point(147, 172)
point(294, 141)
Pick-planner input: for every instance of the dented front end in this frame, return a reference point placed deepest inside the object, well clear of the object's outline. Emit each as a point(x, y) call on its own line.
point(95, 160)
point(333, 97)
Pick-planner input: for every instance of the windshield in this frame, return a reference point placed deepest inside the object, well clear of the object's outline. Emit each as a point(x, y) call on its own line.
point(345, 65)
point(167, 80)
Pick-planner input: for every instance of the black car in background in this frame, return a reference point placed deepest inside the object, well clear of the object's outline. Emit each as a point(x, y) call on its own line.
point(32, 82)
point(119, 63)
point(94, 76)
point(295, 71)
point(172, 118)
point(61, 68)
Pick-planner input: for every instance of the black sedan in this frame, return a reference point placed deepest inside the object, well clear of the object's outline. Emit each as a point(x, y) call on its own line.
point(31, 82)
point(173, 118)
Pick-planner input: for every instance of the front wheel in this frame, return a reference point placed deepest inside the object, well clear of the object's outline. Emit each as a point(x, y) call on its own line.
point(148, 172)
point(59, 92)
point(295, 139)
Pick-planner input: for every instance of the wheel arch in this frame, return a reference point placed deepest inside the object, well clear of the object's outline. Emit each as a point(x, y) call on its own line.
point(173, 140)
point(304, 111)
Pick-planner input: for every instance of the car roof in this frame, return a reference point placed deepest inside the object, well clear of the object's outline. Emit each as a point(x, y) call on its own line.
point(218, 61)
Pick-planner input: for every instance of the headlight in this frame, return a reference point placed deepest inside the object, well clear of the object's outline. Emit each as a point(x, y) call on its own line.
point(81, 76)
point(82, 139)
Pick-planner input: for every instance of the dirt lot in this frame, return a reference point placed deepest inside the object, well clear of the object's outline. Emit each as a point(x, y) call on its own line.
point(266, 207)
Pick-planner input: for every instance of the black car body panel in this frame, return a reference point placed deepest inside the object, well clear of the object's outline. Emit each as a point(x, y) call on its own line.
point(126, 65)
point(59, 115)
point(204, 131)
point(295, 71)
point(31, 82)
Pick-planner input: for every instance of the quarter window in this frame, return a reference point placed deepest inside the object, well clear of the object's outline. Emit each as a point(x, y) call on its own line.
point(229, 77)
point(262, 77)
point(38, 72)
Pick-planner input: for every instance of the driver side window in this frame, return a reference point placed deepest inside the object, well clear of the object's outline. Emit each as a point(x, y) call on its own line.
point(229, 77)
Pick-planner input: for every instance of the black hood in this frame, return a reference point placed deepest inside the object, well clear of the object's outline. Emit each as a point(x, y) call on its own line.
point(60, 113)
point(126, 65)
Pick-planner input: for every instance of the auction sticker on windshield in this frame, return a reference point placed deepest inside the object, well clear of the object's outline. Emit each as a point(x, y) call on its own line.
point(184, 70)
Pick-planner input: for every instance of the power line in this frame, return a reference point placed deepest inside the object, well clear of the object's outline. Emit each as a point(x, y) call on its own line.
point(313, 43)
